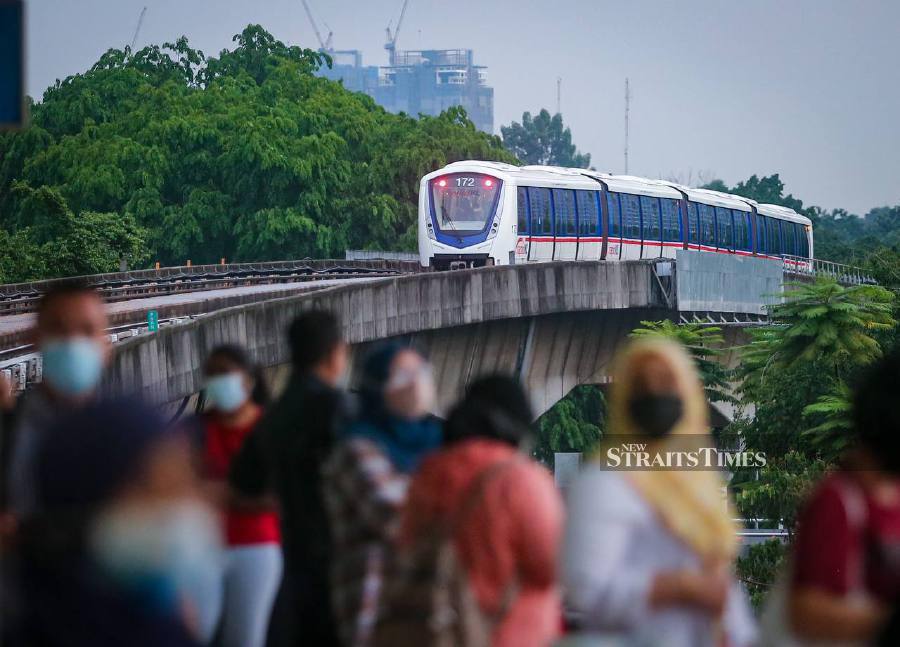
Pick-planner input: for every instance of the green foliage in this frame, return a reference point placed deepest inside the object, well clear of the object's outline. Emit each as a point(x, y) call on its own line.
point(821, 322)
point(775, 492)
point(247, 156)
point(833, 433)
point(543, 140)
point(758, 569)
point(574, 424)
point(704, 343)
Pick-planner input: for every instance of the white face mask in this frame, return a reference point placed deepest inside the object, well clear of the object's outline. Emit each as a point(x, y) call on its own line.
point(166, 552)
point(411, 394)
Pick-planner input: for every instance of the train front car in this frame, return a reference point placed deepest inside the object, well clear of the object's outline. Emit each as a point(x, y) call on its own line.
point(463, 216)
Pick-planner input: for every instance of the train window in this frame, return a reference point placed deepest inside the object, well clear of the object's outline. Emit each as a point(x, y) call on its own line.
point(707, 225)
point(804, 241)
point(631, 215)
point(564, 212)
point(671, 221)
point(539, 207)
point(615, 214)
point(693, 224)
point(740, 229)
point(650, 215)
point(723, 223)
point(587, 213)
point(522, 207)
point(773, 235)
point(760, 234)
point(789, 230)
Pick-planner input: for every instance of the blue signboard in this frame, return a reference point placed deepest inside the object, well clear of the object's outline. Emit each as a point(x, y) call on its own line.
point(153, 321)
point(12, 63)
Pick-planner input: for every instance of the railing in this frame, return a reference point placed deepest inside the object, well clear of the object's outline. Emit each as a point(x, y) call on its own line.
point(846, 274)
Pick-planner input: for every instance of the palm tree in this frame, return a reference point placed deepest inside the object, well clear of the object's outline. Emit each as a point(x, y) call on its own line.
point(704, 343)
point(821, 322)
point(831, 436)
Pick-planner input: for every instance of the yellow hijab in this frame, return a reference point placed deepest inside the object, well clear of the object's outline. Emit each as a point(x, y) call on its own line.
point(690, 503)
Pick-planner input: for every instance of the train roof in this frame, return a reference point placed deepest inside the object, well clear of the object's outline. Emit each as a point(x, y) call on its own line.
point(558, 176)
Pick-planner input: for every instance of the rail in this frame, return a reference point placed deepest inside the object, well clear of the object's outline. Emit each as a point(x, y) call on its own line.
point(20, 298)
point(815, 267)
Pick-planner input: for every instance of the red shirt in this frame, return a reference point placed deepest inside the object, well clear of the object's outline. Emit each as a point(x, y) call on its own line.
point(833, 541)
point(221, 445)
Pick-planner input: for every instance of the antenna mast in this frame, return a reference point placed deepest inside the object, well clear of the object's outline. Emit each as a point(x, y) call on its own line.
point(627, 107)
point(559, 95)
point(137, 30)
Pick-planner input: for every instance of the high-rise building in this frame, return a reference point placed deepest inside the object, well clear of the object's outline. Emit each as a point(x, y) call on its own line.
point(420, 82)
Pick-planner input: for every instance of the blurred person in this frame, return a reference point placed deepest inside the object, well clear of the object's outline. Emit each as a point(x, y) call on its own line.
point(121, 536)
point(845, 565)
point(235, 393)
point(284, 455)
point(649, 553)
point(367, 476)
point(70, 334)
point(501, 509)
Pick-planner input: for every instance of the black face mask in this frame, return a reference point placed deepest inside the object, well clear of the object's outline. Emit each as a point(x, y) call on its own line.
point(655, 415)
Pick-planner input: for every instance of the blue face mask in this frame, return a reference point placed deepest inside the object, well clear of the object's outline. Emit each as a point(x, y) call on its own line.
point(226, 393)
point(72, 366)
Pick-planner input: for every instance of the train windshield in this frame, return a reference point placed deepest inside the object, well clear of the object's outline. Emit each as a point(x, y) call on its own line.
point(464, 202)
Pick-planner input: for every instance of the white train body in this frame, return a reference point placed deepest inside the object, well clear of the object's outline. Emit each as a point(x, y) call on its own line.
point(488, 213)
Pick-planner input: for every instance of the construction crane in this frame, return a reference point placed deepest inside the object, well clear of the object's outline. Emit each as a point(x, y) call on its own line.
point(325, 45)
point(137, 30)
point(391, 44)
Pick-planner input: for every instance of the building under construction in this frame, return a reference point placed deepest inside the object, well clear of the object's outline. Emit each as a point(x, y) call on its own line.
point(415, 82)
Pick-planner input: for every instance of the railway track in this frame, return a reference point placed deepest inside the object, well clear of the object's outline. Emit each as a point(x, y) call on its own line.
point(22, 298)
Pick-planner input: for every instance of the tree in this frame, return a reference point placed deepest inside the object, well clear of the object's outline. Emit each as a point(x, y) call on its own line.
point(822, 322)
point(832, 435)
point(574, 424)
point(543, 140)
point(704, 343)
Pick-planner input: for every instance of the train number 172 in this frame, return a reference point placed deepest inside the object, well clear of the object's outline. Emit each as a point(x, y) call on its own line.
point(465, 181)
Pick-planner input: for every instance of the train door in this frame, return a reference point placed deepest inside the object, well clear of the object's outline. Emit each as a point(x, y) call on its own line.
point(523, 241)
point(613, 226)
point(590, 240)
point(631, 226)
point(707, 218)
point(565, 218)
point(672, 226)
point(651, 229)
point(693, 225)
point(541, 211)
point(725, 228)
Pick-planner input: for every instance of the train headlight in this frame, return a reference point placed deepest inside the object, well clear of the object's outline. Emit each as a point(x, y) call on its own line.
point(494, 229)
point(430, 229)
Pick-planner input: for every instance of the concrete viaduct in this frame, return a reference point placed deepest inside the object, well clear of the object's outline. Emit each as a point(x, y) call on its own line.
point(555, 325)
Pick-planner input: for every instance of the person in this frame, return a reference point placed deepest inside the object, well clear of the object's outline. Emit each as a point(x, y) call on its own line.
point(366, 479)
point(507, 538)
point(235, 393)
point(648, 553)
point(842, 586)
point(284, 455)
point(70, 334)
point(120, 535)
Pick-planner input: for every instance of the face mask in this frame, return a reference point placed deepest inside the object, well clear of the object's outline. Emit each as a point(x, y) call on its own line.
point(226, 393)
point(165, 553)
point(72, 366)
point(656, 415)
point(411, 395)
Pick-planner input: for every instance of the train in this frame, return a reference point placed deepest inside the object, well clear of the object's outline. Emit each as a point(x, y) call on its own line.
point(477, 213)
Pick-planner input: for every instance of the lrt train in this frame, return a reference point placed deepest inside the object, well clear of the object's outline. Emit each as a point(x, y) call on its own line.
point(476, 213)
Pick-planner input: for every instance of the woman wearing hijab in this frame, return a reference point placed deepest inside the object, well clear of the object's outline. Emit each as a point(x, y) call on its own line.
point(367, 476)
point(649, 553)
point(504, 508)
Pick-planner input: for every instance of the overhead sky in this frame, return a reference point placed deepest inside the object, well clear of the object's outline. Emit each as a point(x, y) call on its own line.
point(723, 89)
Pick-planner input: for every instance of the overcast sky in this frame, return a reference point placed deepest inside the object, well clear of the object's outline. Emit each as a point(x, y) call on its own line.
point(809, 89)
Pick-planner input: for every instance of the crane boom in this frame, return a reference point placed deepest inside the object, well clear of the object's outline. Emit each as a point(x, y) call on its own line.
point(312, 21)
point(399, 22)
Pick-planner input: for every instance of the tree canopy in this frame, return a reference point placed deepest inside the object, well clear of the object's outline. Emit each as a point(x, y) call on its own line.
point(543, 140)
point(246, 156)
